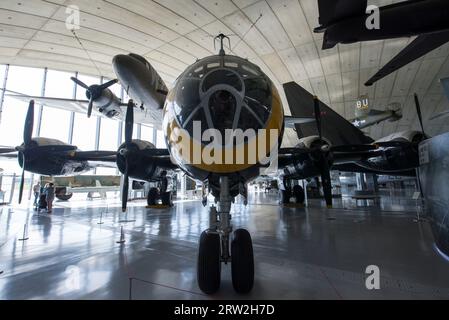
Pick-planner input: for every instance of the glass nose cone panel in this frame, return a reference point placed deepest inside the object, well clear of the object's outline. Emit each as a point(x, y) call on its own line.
point(223, 92)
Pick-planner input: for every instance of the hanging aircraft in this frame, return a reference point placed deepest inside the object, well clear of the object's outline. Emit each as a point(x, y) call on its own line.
point(347, 21)
point(367, 117)
point(212, 97)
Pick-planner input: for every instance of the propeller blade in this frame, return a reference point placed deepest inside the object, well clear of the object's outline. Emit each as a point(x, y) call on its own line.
point(22, 182)
point(108, 84)
point(125, 189)
point(129, 122)
point(418, 111)
point(80, 83)
point(317, 111)
point(90, 107)
point(7, 150)
point(29, 124)
point(327, 183)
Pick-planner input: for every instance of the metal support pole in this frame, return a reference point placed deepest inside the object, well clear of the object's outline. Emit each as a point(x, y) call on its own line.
point(72, 115)
point(13, 185)
point(39, 124)
point(41, 107)
point(2, 94)
point(139, 131)
point(98, 130)
point(154, 140)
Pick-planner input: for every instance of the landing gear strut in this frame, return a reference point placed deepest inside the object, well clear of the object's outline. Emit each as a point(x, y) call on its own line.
point(215, 249)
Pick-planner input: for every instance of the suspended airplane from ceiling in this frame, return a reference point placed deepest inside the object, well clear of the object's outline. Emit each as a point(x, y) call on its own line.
point(345, 21)
point(221, 93)
point(367, 117)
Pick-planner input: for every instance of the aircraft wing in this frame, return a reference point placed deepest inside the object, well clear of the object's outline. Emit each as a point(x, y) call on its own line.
point(103, 156)
point(71, 105)
point(161, 157)
point(334, 10)
point(354, 167)
point(419, 47)
point(145, 116)
point(291, 122)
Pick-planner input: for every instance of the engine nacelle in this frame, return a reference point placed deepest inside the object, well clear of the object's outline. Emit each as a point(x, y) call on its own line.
point(404, 136)
point(107, 104)
point(313, 142)
point(141, 165)
point(47, 157)
point(310, 161)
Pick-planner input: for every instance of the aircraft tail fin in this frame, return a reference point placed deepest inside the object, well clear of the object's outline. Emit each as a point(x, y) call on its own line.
point(336, 129)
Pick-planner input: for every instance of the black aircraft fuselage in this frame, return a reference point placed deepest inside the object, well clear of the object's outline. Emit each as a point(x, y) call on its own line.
point(404, 19)
point(140, 80)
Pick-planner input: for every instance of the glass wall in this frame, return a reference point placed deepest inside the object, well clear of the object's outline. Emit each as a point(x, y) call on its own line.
point(56, 123)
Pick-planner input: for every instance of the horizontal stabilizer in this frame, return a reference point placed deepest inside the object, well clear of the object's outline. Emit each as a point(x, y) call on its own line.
point(419, 47)
point(290, 122)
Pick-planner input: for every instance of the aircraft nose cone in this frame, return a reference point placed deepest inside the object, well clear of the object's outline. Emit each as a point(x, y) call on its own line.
point(121, 60)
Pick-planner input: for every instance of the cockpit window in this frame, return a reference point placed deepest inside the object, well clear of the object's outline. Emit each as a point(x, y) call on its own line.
point(223, 92)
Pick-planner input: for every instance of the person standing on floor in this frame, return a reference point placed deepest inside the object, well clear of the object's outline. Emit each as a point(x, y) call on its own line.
point(50, 196)
point(37, 193)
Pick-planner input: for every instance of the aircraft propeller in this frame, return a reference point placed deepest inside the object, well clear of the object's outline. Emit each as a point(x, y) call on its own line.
point(129, 127)
point(418, 111)
point(93, 92)
point(27, 142)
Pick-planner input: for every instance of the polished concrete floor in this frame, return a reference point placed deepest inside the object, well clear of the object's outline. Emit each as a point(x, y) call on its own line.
point(312, 253)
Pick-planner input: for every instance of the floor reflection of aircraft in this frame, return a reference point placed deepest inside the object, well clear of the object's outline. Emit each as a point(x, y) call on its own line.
point(347, 21)
point(220, 92)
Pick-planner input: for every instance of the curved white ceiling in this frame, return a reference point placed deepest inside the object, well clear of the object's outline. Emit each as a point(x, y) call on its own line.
point(172, 34)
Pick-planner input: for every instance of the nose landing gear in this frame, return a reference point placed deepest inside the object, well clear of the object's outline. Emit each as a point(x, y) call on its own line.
point(214, 249)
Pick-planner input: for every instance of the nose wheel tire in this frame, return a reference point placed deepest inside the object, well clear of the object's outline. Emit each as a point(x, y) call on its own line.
point(209, 264)
point(152, 196)
point(242, 262)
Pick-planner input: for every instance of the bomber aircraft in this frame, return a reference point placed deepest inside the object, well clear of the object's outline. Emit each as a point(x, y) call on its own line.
point(223, 122)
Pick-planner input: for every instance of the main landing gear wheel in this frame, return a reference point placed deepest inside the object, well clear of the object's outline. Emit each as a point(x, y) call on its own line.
point(152, 196)
point(166, 198)
point(209, 263)
point(298, 193)
point(242, 262)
